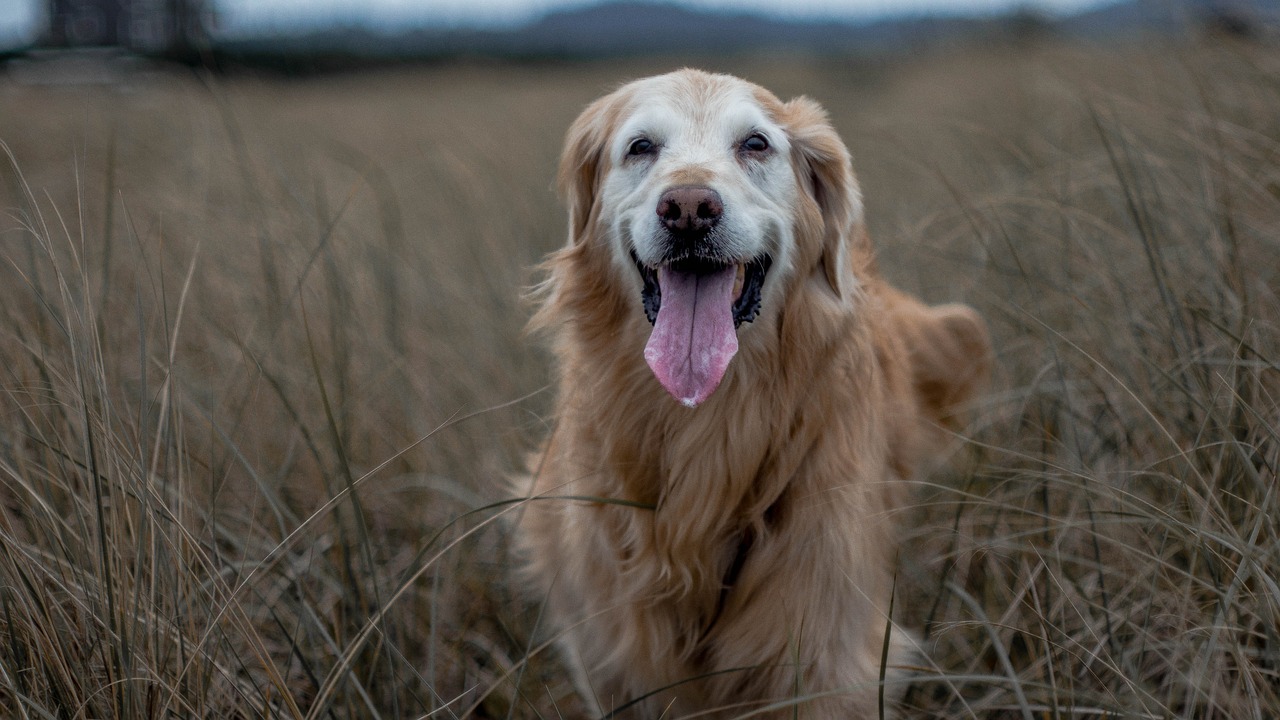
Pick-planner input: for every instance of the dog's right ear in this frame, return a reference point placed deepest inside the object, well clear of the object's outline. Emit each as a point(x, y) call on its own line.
point(582, 164)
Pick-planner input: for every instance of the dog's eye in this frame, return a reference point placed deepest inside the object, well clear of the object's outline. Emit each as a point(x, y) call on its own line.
point(641, 146)
point(756, 143)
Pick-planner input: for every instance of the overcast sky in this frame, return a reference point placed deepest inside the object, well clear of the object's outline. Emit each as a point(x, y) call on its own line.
point(19, 18)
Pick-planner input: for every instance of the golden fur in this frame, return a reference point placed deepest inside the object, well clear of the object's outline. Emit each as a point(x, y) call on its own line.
point(739, 555)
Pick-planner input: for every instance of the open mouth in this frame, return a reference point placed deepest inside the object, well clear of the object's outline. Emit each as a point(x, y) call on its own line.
point(747, 285)
point(696, 305)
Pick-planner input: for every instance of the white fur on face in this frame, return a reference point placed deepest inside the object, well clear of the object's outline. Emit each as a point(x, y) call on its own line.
point(698, 131)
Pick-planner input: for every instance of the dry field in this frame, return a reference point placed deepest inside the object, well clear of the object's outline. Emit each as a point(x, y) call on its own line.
point(262, 376)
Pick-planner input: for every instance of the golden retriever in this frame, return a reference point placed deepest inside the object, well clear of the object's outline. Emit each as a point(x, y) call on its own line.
point(741, 401)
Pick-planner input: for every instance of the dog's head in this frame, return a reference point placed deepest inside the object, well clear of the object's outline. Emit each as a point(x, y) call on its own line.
point(713, 198)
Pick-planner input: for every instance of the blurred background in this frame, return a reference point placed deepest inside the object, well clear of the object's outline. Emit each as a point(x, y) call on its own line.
point(265, 394)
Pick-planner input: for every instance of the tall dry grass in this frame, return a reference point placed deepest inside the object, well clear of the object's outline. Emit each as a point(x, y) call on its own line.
point(262, 374)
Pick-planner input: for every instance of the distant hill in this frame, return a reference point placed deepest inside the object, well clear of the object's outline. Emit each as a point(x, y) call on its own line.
point(638, 27)
point(629, 27)
point(633, 27)
point(1155, 17)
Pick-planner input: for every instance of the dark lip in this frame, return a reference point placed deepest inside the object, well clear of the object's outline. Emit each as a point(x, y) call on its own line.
point(745, 309)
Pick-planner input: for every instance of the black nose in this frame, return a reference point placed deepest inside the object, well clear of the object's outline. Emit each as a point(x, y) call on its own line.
point(690, 211)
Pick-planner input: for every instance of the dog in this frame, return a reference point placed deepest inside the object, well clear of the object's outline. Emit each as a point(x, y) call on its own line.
point(742, 401)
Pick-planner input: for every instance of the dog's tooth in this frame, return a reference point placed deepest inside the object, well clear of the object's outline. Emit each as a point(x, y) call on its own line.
point(739, 280)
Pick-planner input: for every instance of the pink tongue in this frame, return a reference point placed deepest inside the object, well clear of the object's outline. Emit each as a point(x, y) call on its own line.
point(693, 338)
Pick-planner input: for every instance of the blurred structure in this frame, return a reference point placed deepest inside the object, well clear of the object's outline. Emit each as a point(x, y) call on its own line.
point(155, 27)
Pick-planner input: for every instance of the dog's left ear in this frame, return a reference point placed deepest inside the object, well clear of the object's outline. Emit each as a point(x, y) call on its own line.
point(825, 171)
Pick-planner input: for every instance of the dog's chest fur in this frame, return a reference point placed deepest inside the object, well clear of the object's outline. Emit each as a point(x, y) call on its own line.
point(722, 481)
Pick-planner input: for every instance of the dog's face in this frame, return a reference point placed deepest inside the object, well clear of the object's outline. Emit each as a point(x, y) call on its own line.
point(709, 193)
